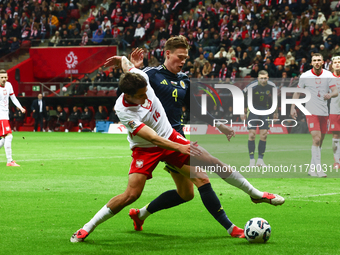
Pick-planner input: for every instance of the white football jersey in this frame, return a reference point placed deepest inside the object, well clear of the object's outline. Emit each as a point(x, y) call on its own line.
point(5, 92)
point(335, 101)
point(318, 86)
point(151, 113)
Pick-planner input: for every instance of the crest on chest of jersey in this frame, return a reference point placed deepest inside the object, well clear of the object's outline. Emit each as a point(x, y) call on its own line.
point(182, 84)
point(147, 105)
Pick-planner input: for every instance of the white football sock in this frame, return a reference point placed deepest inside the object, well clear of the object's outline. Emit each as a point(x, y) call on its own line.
point(336, 149)
point(238, 181)
point(102, 215)
point(143, 213)
point(8, 147)
point(316, 156)
point(2, 142)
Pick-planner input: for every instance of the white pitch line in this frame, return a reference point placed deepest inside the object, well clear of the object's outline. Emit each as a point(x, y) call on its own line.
point(230, 152)
point(317, 201)
point(317, 195)
point(47, 159)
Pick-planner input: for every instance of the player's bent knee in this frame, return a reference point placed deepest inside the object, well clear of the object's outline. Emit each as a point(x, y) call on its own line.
point(187, 196)
point(200, 181)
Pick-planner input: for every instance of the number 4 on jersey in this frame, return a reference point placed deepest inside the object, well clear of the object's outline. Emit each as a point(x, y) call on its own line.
point(175, 94)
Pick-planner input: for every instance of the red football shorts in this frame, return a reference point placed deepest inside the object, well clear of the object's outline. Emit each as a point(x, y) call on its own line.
point(317, 123)
point(145, 160)
point(334, 122)
point(5, 128)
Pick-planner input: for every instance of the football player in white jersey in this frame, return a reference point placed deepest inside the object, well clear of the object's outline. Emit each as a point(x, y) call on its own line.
point(152, 139)
point(334, 115)
point(6, 92)
point(318, 82)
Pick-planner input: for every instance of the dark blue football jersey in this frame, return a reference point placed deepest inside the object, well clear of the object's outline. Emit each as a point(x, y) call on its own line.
point(262, 95)
point(173, 91)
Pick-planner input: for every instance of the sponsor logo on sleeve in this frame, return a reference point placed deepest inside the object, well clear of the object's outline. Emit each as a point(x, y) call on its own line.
point(132, 124)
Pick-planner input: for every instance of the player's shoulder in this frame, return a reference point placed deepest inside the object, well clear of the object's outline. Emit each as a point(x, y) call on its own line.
point(307, 74)
point(327, 73)
point(8, 84)
point(253, 84)
point(182, 76)
point(152, 70)
point(270, 83)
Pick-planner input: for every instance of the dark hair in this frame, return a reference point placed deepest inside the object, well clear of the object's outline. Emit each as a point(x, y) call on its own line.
point(317, 55)
point(130, 83)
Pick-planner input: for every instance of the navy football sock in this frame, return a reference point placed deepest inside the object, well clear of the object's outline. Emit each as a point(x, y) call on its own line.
point(262, 148)
point(166, 200)
point(251, 148)
point(213, 205)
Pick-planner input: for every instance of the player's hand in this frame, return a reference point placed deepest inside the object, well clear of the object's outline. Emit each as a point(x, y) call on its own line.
point(293, 113)
point(327, 96)
point(136, 57)
point(115, 61)
point(191, 149)
point(228, 131)
point(23, 110)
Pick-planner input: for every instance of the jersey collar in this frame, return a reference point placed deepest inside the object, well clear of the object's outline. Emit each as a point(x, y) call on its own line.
point(168, 72)
point(315, 73)
point(126, 104)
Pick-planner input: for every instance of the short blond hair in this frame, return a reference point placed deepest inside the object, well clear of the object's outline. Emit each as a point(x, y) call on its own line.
point(176, 42)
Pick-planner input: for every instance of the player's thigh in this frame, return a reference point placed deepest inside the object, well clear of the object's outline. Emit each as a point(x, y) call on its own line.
point(185, 187)
point(135, 185)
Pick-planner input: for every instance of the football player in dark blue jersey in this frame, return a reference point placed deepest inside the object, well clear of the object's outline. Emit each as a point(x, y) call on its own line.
point(172, 88)
point(262, 97)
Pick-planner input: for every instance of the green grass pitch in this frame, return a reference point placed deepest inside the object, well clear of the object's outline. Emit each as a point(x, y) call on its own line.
point(65, 178)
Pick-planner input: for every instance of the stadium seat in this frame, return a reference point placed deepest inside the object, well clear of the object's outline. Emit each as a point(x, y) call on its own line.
point(102, 93)
point(91, 93)
point(75, 14)
point(81, 110)
point(337, 29)
point(147, 15)
point(105, 109)
point(159, 23)
point(112, 93)
point(66, 110)
point(92, 110)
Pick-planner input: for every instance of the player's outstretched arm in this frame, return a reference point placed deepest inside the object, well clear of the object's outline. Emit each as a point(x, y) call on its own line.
point(150, 135)
point(293, 112)
point(114, 61)
point(119, 61)
point(17, 103)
